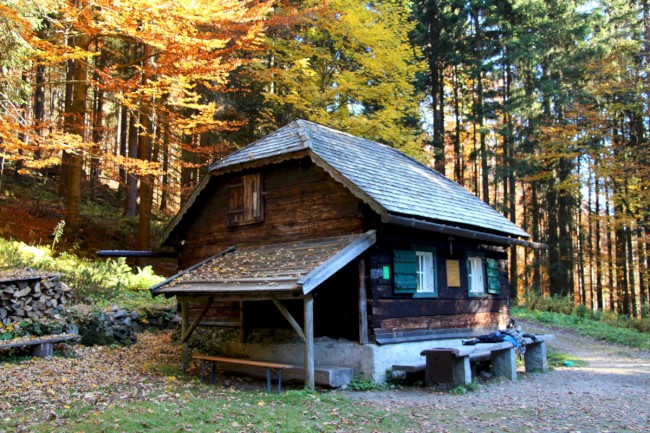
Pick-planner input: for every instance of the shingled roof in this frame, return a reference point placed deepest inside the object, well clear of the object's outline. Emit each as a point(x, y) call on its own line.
point(386, 179)
point(286, 269)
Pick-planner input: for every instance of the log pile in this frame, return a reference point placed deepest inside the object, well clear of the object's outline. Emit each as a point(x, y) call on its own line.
point(27, 295)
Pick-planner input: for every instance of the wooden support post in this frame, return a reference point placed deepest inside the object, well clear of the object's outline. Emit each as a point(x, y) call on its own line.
point(185, 317)
point(242, 324)
point(309, 342)
point(363, 310)
point(287, 315)
point(188, 333)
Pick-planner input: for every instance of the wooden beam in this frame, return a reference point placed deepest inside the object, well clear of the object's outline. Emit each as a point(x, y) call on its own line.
point(363, 310)
point(308, 303)
point(187, 334)
point(287, 315)
point(185, 315)
point(310, 281)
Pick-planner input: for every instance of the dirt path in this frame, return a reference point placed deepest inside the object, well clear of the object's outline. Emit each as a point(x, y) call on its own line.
point(610, 394)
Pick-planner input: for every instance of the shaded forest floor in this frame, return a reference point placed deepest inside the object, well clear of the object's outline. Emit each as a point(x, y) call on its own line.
point(139, 388)
point(608, 394)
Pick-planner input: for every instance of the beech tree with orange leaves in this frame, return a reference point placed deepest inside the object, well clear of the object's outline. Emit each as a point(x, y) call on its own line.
point(177, 48)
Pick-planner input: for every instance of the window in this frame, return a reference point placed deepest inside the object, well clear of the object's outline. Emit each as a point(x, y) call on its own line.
point(415, 272)
point(475, 276)
point(245, 200)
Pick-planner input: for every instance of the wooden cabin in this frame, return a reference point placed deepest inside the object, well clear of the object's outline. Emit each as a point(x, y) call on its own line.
point(361, 252)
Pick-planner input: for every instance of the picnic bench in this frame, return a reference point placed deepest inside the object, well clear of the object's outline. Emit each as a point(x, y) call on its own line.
point(41, 347)
point(451, 363)
point(272, 368)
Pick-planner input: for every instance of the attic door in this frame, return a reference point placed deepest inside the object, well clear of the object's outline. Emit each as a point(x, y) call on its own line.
point(245, 200)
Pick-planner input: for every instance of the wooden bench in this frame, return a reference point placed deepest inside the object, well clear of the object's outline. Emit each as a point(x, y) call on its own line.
point(272, 368)
point(451, 364)
point(42, 347)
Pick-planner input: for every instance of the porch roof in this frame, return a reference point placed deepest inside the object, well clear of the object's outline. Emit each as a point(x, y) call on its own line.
point(280, 270)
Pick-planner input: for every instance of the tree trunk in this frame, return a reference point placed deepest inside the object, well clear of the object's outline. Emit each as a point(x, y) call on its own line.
point(597, 253)
point(39, 104)
point(436, 68)
point(131, 198)
point(78, 114)
point(68, 121)
point(458, 156)
point(145, 190)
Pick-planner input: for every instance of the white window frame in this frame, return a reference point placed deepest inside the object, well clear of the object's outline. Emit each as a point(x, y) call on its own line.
point(425, 272)
point(476, 277)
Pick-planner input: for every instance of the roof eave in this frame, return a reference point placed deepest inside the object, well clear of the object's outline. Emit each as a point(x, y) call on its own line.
point(335, 263)
point(461, 232)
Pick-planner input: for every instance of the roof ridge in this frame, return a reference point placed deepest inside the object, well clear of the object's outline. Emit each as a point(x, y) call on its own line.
point(303, 133)
point(254, 143)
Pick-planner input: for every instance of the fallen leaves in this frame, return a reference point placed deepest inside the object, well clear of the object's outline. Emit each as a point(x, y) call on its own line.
point(42, 389)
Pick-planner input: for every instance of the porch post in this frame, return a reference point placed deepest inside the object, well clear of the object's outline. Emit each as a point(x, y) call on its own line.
point(363, 310)
point(308, 330)
point(185, 316)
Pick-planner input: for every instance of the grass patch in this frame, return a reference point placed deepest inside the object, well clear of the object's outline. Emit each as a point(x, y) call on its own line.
point(588, 327)
point(559, 359)
point(225, 410)
point(102, 282)
point(360, 384)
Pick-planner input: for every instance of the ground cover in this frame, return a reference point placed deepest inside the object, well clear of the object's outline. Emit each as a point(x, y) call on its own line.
point(588, 327)
point(140, 389)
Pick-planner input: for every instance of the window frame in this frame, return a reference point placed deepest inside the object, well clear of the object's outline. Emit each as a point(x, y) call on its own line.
point(249, 189)
point(480, 259)
point(425, 280)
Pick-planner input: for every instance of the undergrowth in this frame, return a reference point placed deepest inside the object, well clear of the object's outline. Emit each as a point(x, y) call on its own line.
point(585, 326)
point(565, 305)
point(93, 281)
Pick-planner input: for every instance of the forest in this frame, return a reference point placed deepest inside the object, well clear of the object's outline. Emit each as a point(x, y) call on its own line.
point(539, 107)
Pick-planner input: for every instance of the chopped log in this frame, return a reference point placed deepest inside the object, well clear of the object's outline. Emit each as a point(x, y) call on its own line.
point(31, 296)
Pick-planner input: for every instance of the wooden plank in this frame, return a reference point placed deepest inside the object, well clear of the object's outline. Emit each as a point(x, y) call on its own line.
point(477, 320)
point(397, 308)
point(273, 365)
point(6, 344)
point(287, 315)
point(363, 312)
point(310, 281)
point(309, 342)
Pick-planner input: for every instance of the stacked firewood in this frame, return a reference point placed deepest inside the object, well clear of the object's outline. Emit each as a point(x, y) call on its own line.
point(26, 295)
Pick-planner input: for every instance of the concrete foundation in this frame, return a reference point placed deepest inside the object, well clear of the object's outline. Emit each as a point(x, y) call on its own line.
point(338, 360)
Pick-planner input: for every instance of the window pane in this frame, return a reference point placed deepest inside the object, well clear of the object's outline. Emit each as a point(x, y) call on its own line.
point(425, 272)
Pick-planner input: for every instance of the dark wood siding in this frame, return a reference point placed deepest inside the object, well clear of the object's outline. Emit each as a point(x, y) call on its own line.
point(395, 315)
point(300, 201)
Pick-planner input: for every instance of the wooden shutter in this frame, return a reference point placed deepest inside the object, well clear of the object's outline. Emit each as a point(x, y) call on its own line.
point(245, 205)
point(494, 285)
point(236, 202)
point(405, 268)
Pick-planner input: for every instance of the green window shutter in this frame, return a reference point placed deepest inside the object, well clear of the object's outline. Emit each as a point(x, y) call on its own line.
point(494, 285)
point(405, 267)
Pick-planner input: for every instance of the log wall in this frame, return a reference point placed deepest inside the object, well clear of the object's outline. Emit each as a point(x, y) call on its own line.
point(301, 201)
point(452, 311)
